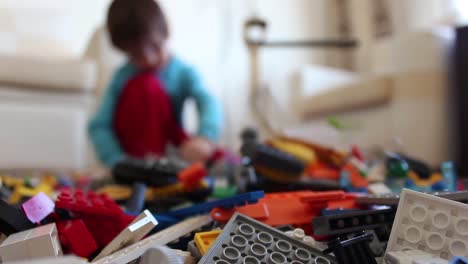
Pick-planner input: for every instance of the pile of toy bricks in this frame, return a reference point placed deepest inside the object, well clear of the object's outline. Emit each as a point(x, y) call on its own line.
point(290, 202)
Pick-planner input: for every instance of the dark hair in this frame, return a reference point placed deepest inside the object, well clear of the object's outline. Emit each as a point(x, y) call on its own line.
point(130, 21)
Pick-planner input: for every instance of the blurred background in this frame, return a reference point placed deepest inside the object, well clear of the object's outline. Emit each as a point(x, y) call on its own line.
point(397, 89)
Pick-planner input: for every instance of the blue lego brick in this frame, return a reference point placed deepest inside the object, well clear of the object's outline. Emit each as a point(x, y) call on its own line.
point(326, 212)
point(245, 240)
point(238, 200)
point(459, 260)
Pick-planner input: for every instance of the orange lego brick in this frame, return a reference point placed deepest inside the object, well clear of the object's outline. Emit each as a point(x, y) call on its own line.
point(355, 177)
point(191, 176)
point(274, 209)
point(319, 170)
point(204, 240)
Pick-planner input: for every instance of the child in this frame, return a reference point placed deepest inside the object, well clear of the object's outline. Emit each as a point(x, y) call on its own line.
point(141, 109)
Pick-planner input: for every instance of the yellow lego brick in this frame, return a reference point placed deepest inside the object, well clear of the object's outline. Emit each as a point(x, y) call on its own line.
point(204, 240)
point(298, 150)
point(116, 192)
point(123, 192)
point(435, 177)
point(46, 186)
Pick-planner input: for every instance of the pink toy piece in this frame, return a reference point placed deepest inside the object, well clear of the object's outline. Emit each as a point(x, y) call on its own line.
point(38, 207)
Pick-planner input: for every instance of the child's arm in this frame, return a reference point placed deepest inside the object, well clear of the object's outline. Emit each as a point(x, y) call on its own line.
point(209, 109)
point(100, 128)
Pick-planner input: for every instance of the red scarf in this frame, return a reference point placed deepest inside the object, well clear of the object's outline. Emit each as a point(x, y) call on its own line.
point(144, 121)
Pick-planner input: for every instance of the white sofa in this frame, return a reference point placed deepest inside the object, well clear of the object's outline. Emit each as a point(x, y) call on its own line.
point(404, 99)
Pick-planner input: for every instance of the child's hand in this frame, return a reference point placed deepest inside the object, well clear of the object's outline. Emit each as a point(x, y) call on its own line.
point(197, 149)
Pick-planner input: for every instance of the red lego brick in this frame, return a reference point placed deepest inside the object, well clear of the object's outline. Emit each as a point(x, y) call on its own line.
point(356, 152)
point(191, 176)
point(87, 202)
point(105, 228)
point(357, 180)
point(76, 238)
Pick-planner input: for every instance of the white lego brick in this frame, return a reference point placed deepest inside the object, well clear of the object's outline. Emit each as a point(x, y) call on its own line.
point(406, 256)
point(431, 261)
point(134, 232)
point(161, 238)
point(431, 224)
point(39, 242)
point(59, 260)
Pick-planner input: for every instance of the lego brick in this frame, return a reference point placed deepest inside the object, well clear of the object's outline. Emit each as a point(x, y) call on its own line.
point(139, 228)
point(459, 260)
point(191, 176)
point(153, 173)
point(204, 240)
point(105, 228)
point(237, 200)
point(39, 242)
point(12, 220)
point(161, 238)
point(431, 224)
point(276, 209)
point(193, 249)
point(76, 238)
point(38, 207)
point(352, 222)
point(354, 250)
point(245, 240)
point(20, 191)
point(300, 235)
point(136, 201)
point(392, 199)
point(166, 255)
point(412, 256)
point(59, 260)
point(87, 203)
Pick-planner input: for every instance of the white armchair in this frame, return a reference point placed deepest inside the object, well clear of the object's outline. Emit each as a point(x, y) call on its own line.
point(406, 98)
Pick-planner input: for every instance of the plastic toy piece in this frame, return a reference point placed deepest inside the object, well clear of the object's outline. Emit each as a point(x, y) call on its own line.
point(40, 242)
point(205, 240)
point(299, 151)
point(412, 256)
point(161, 238)
point(59, 260)
point(354, 250)
point(165, 255)
point(38, 207)
point(391, 199)
point(355, 177)
point(352, 222)
point(238, 200)
point(139, 228)
point(46, 186)
point(434, 225)
point(191, 176)
point(101, 215)
point(245, 240)
point(319, 170)
point(76, 238)
point(275, 210)
point(136, 202)
point(12, 220)
point(272, 163)
point(153, 173)
point(194, 251)
point(87, 203)
point(299, 234)
point(459, 260)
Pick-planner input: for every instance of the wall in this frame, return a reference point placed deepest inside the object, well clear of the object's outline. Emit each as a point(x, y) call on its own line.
point(48, 28)
point(207, 33)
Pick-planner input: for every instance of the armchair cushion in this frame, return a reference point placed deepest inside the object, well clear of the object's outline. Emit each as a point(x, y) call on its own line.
point(64, 75)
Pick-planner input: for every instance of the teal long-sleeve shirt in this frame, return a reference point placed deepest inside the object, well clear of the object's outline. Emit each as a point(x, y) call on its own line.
point(181, 83)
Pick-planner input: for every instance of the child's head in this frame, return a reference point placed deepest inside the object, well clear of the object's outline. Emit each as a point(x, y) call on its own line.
point(140, 29)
